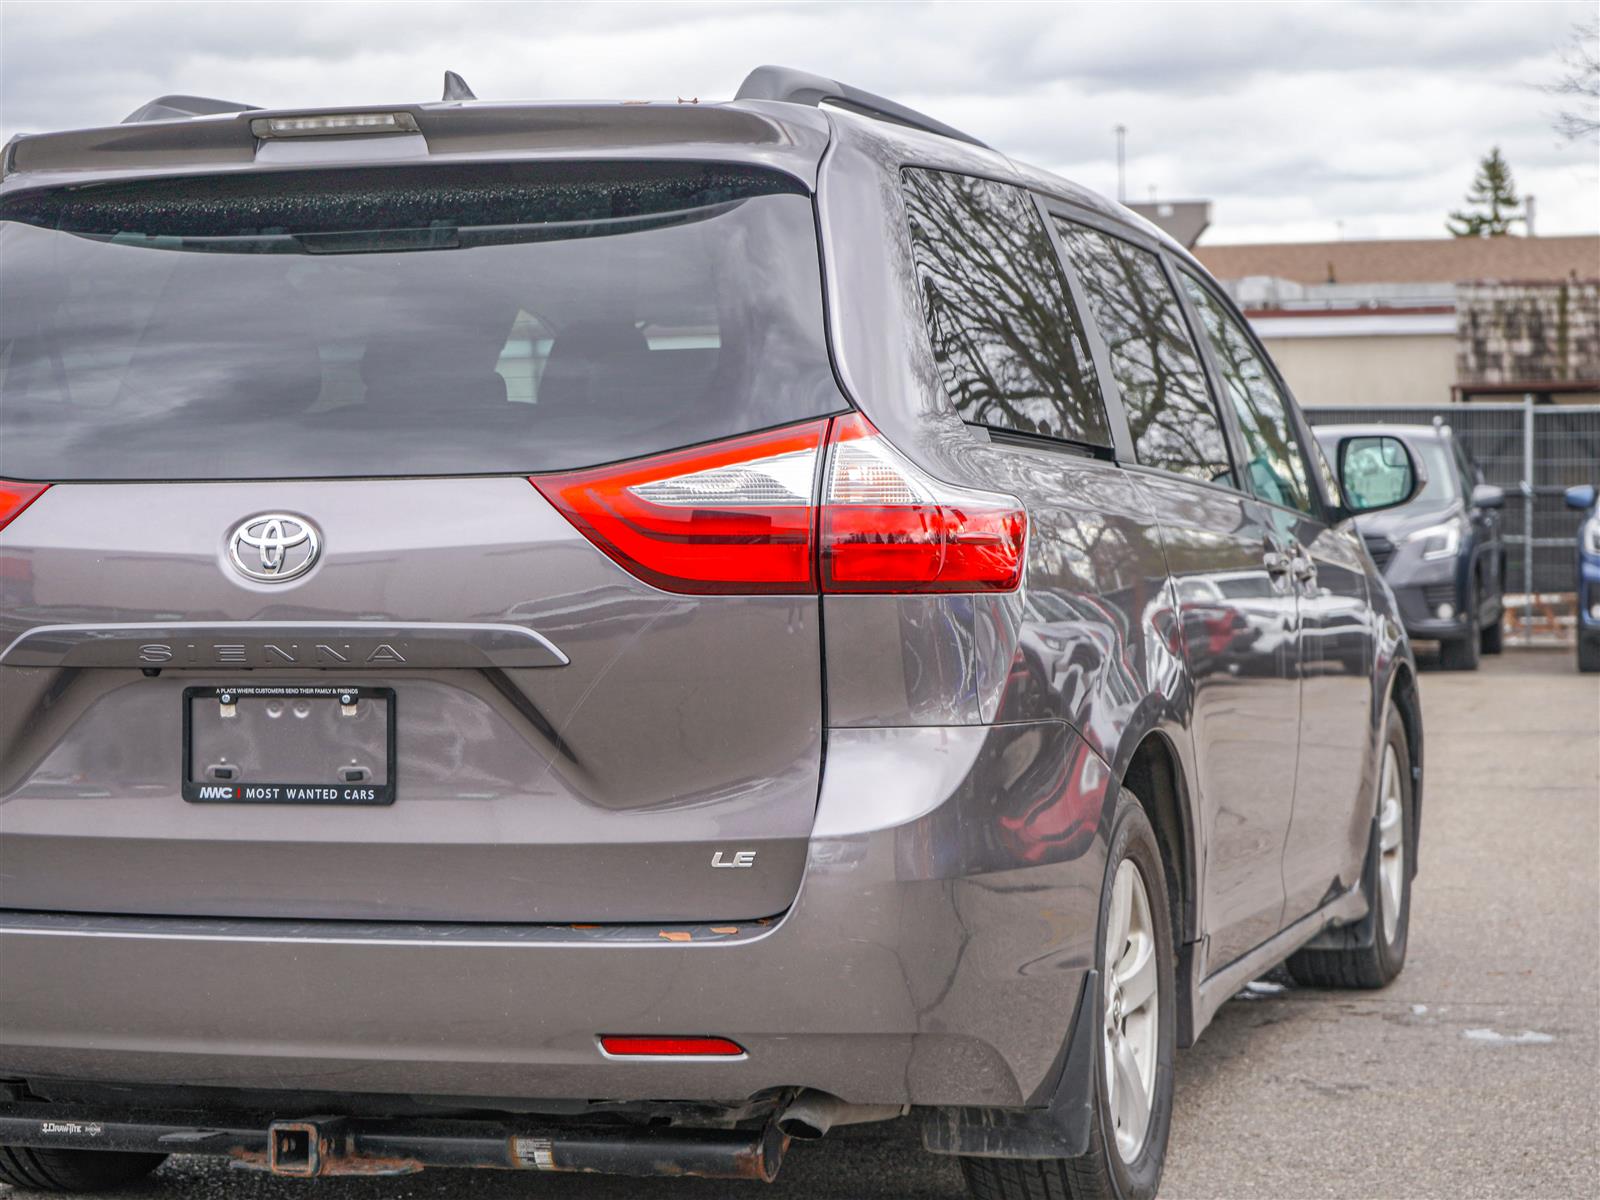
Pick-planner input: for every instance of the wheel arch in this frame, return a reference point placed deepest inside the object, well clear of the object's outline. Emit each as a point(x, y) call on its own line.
point(1402, 694)
point(1155, 775)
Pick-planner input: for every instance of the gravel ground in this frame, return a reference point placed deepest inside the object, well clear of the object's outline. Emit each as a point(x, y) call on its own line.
point(1476, 1074)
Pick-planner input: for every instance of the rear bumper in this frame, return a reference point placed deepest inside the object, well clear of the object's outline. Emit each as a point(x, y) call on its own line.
point(934, 956)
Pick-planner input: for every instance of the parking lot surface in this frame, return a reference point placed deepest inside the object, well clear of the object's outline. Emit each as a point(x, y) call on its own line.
point(1476, 1074)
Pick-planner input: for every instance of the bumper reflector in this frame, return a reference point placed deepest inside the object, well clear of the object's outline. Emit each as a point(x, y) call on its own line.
point(669, 1047)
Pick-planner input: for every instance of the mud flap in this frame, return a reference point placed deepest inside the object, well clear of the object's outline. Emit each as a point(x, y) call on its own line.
point(1060, 1129)
point(1357, 935)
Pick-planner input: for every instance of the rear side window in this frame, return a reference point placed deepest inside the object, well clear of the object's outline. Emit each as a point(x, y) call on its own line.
point(1010, 350)
point(1155, 362)
point(422, 320)
point(1276, 468)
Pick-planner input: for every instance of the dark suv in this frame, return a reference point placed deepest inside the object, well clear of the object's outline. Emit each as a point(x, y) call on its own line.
point(604, 637)
point(1442, 553)
point(1583, 498)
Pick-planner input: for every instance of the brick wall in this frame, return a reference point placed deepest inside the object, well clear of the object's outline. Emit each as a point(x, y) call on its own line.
point(1527, 332)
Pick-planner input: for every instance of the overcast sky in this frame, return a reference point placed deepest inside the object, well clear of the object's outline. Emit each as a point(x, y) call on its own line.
point(1294, 118)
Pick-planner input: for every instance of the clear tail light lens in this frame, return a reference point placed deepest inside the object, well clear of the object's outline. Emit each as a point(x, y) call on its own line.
point(14, 497)
point(889, 527)
point(740, 516)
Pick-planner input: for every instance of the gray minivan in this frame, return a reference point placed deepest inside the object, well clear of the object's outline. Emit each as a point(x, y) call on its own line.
point(607, 637)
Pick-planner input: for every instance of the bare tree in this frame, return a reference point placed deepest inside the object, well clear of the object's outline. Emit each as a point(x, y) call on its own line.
point(1579, 86)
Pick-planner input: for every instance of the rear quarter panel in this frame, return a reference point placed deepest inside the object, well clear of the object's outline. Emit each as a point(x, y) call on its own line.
point(1089, 639)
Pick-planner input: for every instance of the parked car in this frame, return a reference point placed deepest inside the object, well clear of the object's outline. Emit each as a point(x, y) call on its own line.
point(1442, 553)
point(604, 637)
point(1583, 499)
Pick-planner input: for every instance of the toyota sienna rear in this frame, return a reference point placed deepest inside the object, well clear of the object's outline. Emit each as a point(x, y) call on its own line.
point(607, 637)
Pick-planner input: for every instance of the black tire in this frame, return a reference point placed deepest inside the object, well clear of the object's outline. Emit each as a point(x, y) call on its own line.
point(1588, 653)
point(1101, 1174)
point(73, 1170)
point(1493, 638)
point(1459, 654)
point(1380, 959)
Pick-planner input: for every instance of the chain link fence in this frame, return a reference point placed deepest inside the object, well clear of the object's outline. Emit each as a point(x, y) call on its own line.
point(1535, 452)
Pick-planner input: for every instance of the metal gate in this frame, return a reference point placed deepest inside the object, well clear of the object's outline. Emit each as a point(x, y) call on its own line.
point(1535, 452)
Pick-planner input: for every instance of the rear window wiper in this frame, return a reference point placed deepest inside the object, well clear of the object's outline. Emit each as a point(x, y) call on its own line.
point(423, 237)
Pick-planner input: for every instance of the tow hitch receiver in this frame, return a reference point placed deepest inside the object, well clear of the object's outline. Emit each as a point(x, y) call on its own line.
point(299, 1148)
point(314, 1147)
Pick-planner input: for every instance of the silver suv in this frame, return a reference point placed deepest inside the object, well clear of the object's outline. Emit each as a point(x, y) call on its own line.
point(581, 637)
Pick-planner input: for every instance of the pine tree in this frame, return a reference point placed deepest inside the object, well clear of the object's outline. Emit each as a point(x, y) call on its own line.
point(1493, 196)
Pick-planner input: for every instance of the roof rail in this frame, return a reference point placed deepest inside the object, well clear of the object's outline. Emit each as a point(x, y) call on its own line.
point(170, 108)
point(802, 87)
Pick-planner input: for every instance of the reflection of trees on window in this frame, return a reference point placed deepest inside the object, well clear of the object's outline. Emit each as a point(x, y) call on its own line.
point(1155, 363)
point(1009, 348)
point(1277, 471)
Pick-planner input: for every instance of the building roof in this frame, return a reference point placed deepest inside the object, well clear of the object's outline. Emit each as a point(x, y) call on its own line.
point(1185, 220)
point(1416, 260)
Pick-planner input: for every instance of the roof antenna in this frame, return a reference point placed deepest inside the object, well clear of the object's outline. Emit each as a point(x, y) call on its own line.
point(455, 88)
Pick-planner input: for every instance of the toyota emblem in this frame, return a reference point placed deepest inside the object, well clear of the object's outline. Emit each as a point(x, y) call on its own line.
point(273, 547)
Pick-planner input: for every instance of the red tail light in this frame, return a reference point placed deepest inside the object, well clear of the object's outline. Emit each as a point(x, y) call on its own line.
point(741, 516)
point(670, 1047)
point(734, 517)
point(14, 497)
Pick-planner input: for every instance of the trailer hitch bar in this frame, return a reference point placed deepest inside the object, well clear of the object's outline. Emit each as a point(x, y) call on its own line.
point(315, 1147)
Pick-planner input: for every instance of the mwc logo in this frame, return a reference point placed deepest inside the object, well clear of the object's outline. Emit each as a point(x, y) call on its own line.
point(216, 793)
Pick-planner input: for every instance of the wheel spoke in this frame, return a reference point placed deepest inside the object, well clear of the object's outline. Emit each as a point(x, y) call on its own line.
point(1391, 899)
point(1389, 826)
point(1391, 844)
point(1121, 911)
point(1136, 974)
point(1131, 1103)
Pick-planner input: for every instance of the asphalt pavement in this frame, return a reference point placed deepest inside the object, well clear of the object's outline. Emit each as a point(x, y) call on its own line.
point(1476, 1074)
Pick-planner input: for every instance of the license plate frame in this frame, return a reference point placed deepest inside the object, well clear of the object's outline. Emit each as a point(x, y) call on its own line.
point(216, 791)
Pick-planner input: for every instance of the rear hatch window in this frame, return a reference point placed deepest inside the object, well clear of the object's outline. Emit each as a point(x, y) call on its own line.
point(435, 320)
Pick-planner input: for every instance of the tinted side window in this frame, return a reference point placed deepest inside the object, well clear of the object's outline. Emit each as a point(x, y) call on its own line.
point(1155, 362)
point(1009, 347)
point(1276, 468)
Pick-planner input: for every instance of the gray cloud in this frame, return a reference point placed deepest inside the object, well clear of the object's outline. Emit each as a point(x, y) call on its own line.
point(1292, 117)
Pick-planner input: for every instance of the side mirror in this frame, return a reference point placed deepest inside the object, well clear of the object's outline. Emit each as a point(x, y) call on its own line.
point(1581, 497)
point(1376, 472)
point(1486, 495)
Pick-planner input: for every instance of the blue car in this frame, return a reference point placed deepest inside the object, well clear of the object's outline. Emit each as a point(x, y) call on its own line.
point(1583, 498)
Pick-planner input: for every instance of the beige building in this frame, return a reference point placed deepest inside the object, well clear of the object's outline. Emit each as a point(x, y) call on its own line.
point(1425, 321)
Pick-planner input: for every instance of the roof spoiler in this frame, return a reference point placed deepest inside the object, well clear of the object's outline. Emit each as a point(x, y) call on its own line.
point(173, 108)
point(176, 108)
point(790, 86)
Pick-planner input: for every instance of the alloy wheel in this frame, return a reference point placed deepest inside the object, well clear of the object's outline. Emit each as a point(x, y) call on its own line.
point(1391, 843)
point(1132, 1003)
